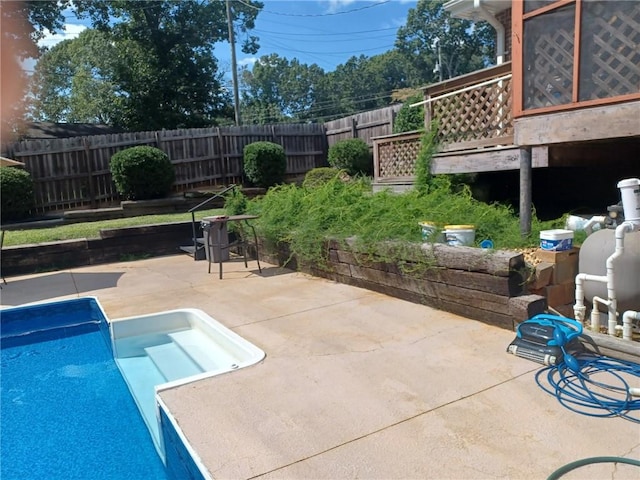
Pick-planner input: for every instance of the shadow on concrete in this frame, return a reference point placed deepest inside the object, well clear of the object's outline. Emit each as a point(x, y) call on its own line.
point(57, 284)
point(272, 271)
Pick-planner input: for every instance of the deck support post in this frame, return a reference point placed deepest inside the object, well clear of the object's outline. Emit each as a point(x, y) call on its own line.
point(525, 191)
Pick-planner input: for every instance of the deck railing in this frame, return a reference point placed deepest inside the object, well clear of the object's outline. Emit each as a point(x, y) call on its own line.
point(472, 111)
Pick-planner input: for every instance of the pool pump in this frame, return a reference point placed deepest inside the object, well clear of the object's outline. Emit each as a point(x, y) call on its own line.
point(547, 339)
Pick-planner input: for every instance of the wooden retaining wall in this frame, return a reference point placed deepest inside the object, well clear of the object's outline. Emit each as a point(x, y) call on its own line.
point(489, 286)
point(114, 245)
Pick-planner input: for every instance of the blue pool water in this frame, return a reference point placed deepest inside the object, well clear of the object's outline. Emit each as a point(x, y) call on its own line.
point(66, 411)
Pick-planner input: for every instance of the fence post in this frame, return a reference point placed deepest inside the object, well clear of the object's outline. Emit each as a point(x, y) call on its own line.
point(89, 163)
point(354, 127)
point(428, 112)
point(223, 167)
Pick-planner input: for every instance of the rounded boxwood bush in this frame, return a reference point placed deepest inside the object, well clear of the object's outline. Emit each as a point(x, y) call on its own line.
point(265, 163)
point(142, 173)
point(352, 155)
point(16, 192)
point(410, 119)
point(317, 177)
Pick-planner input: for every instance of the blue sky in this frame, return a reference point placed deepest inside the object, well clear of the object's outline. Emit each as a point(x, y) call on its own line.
point(324, 32)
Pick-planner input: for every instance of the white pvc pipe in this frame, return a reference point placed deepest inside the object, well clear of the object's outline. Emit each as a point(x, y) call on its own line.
point(621, 231)
point(593, 221)
point(465, 89)
point(595, 312)
point(579, 308)
point(627, 324)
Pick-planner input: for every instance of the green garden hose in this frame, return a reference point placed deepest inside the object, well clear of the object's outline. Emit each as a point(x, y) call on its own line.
point(588, 461)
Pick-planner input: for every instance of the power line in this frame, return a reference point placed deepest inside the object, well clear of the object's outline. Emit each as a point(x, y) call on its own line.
point(325, 34)
point(283, 14)
point(284, 35)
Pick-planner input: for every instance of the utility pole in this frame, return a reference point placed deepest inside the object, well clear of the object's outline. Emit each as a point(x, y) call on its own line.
point(234, 67)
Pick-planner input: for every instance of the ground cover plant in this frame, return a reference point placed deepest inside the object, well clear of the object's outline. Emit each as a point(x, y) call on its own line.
point(76, 231)
point(304, 216)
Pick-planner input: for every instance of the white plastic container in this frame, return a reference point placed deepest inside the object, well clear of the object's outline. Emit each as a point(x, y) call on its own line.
point(458, 235)
point(630, 193)
point(556, 240)
point(431, 233)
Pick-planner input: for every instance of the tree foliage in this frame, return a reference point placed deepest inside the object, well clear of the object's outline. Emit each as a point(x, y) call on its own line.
point(162, 69)
point(409, 118)
point(74, 81)
point(22, 24)
point(431, 35)
point(277, 89)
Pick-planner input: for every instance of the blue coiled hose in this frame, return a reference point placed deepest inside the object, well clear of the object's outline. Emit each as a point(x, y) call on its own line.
point(598, 387)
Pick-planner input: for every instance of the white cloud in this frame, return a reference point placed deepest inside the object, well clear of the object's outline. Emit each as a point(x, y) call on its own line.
point(336, 5)
point(249, 61)
point(71, 30)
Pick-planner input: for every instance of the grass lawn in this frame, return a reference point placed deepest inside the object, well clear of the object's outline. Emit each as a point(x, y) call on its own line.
point(92, 229)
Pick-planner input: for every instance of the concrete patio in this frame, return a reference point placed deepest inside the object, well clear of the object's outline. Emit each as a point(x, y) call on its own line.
point(355, 384)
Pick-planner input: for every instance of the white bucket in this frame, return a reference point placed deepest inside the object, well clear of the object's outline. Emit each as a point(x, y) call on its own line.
point(431, 233)
point(630, 193)
point(458, 235)
point(557, 240)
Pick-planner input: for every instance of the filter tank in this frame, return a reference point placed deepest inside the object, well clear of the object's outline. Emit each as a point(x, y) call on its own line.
point(594, 252)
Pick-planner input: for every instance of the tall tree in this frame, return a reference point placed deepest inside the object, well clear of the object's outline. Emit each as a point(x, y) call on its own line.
point(277, 90)
point(22, 24)
point(171, 77)
point(366, 83)
point(431, 37)
point(73, 81)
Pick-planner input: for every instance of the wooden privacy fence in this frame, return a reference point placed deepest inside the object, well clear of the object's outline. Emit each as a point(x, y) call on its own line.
point(74, 172)
point(365, 125)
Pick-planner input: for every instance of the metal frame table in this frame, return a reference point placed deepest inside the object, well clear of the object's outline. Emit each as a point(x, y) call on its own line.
point(218, 223)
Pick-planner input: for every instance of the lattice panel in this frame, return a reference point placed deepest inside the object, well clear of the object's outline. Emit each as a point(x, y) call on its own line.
point(553, 67)
point(398, 158)
point(610, 50)
point(477, 114)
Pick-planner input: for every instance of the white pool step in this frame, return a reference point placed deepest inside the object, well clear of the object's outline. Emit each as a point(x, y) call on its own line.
point(172, 361)
point(142, 376)
point(201, 350)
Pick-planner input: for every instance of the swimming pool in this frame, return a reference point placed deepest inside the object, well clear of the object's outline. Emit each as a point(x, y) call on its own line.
point(72, 379)
point(66, 411)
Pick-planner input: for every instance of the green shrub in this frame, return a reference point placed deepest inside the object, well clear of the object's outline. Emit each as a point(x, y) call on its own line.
point(319, 176)
point(16, 191)
point(265, 163)
point(235, 202)
point(352, 155)
point(142, 173)
point(410, 118)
